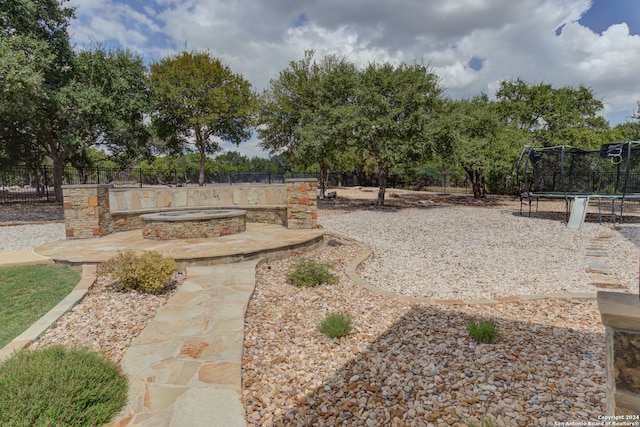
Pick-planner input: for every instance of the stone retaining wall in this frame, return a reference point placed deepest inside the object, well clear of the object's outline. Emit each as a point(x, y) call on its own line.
point(86, 211)
point(620, 314)
point(201, 229)
point(302, 206)
point(97, 210)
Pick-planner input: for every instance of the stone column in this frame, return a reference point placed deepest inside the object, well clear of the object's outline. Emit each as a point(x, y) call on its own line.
point(302, 206)
point(620, 314)
point(86, 211)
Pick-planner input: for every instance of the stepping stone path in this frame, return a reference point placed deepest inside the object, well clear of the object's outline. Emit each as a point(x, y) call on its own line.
point(601, 275)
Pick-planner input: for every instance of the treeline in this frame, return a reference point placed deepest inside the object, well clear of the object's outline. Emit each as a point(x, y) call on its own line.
point(60, 105)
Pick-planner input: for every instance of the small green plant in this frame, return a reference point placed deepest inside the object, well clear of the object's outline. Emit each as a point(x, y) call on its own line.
point(308, 273)
point(58, 386)
point(486, 420)
point(484, 330)
point(336, 325)
point(149, 271)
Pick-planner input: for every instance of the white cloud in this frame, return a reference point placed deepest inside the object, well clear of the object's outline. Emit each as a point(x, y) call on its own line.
point(513, 38)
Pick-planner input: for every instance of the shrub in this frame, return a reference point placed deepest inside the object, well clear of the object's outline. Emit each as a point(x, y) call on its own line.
point(149, 271)
point(57, 386)
point(308, 273)
point(336, 325)
point(484, 330)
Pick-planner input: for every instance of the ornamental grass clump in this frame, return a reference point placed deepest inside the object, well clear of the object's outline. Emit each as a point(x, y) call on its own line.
point(149, 271)
point(483, 330)
point(309, 273)
point(336, 325)
point(58, 386)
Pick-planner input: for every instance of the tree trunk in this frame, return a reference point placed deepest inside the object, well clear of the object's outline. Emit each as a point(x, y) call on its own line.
point(58, 172)
point(323, 180)
point(477, 183)
point(382, 184)
point(201, 174)
point(58, 156)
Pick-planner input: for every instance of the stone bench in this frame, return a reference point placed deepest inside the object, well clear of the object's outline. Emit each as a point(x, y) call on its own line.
point(267, 214)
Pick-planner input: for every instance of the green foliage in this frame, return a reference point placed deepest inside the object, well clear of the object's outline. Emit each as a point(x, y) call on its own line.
point(28, 293)
point(485, 421)
point(57, 386)
point(554, 116)
point(336, 325)
point(197, 97)
point(308, 273)
point(149, 271)
point(303, 113)
point(394, 108)
point(472, 135)
point(483, 330)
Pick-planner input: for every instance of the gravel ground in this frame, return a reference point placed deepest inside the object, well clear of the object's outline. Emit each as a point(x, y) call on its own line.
point(475, 253)
point(27, 226)
point(412, 364)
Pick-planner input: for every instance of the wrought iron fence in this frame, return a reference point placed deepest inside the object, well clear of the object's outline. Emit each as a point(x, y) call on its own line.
point(35, 185)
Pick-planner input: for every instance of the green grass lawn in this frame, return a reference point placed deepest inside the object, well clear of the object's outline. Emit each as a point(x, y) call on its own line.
point(27, 293)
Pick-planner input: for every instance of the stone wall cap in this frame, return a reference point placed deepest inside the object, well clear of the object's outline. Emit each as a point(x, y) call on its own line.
point(192, 215)
point(191, 208)
point(619, 310)
point(72, 186)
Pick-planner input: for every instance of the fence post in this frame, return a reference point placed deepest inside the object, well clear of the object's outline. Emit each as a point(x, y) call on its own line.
point(140, 177)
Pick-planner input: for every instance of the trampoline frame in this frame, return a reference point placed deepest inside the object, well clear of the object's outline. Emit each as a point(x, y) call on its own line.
point(615, 153)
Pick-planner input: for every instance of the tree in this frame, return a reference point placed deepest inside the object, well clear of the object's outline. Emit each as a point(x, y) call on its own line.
point(303, 112)
point(75, 100)
point(471, 134)
point(282, 105)
point(196, 99)
point(393, 109)
point(554, 116)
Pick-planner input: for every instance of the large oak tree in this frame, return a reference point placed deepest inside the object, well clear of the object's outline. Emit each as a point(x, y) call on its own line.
point(198, 99)
point(56, 102)
point(394, 109)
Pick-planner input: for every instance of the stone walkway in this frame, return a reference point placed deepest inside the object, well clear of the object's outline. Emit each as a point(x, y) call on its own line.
point(184, 368)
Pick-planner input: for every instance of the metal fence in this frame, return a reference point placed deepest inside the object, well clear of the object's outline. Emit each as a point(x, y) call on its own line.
point(35, 185)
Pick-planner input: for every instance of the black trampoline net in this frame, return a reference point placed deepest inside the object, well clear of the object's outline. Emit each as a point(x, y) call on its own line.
point(613, 170)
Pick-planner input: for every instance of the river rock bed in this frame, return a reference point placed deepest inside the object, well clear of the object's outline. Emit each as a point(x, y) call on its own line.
point(410, 364)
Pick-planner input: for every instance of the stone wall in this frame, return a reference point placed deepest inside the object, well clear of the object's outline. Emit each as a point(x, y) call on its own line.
point(620, 314)
point(302, 206)
point(201, 229)
point(97, 210)
point(86, 211)
point(227, 196)
point(126, 221)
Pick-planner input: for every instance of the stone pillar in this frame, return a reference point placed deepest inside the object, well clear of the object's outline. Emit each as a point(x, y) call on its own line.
point(302, 206)
point(620, 314)
point(86, 211)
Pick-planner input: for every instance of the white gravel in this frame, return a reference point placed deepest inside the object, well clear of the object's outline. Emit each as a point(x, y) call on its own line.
point(473, 253)
point(29, 236)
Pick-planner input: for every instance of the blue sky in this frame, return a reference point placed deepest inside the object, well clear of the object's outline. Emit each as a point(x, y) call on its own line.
point(471, 44)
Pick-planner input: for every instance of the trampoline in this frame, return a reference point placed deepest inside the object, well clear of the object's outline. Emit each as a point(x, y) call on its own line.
point(608, 176)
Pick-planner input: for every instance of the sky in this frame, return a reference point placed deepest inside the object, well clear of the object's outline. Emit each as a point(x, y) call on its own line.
point(471, 45)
